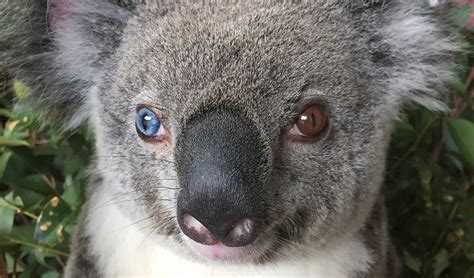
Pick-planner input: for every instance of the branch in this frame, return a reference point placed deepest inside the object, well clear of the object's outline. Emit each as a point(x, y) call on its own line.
point(3, 269)
point(7, 204)
point(35, 245)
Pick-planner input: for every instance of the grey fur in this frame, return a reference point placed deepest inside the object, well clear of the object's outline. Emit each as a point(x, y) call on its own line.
point(360, 60)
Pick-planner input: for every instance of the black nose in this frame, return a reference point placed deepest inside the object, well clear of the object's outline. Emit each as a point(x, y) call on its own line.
point(221, 164)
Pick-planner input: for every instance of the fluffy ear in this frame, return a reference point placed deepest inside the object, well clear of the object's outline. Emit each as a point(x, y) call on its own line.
point(58, 48)
point(413, 57)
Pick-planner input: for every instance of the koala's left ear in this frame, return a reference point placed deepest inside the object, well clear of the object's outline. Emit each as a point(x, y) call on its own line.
point(414, 57)
point(59, 48)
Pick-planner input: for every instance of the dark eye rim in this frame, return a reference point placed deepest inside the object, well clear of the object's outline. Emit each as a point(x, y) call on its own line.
point(157, 138)
point(300, 108)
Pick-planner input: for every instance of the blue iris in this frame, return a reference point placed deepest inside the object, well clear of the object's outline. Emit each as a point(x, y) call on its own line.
point(147, 122)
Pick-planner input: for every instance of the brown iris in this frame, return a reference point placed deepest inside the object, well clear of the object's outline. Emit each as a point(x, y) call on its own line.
point(311, 122)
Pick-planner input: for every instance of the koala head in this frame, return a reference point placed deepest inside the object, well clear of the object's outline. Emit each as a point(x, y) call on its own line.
point(246, 130)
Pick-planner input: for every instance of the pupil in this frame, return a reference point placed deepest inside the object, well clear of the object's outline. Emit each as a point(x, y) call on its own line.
point(146, 121)
point(313, 119)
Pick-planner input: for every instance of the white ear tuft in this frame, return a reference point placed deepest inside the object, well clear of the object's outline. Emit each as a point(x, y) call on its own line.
point(424, 56)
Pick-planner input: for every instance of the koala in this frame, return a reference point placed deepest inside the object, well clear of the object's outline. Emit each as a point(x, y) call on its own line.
point(237, 138)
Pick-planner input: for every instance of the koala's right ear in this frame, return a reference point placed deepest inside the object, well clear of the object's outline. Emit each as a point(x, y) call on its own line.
point(58, 48)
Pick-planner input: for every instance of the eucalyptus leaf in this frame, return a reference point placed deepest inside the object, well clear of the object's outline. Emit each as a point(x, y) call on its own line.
point(412, 262)
point(4, 158)
point(6, 113)
point(55, 215)
point(21, 91)
point(51, 274)
point(441, 262)
point(10, 264)
point(37, 183)
point(41, 256)
point(6, 218)
point(12, 142)
point(462, 131)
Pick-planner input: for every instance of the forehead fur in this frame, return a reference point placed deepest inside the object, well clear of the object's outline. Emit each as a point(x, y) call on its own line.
point(395, 45)
point(245, 55)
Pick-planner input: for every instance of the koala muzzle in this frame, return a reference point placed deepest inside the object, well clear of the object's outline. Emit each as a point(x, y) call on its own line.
point(221, 164)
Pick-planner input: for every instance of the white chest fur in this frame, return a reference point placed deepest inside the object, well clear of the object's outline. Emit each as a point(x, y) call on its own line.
point(126, 251)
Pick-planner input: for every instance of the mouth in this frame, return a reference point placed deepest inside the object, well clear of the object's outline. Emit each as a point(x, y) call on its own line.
point(221, 252)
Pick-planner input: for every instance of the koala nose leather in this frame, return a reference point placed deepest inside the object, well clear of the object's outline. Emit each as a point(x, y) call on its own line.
point(236, 232)
point(221, 164)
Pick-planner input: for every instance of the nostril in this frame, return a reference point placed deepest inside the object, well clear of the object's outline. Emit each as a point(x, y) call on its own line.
point(240, 232)
point(197, 231)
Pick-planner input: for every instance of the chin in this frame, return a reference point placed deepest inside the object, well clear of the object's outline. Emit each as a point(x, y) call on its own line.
point(221, 253)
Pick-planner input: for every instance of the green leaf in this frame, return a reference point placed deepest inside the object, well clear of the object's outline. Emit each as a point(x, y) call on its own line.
point(51, 274)
point(470, 256)
point(12, 142)
point(460, 16)
point(412, 262)
point(8, 207)
point(458, 85)
point(73, 195)
point(52, 150)
point(75, 164)
point(441, 262)
point(10, 264)
point(470, 272)
point(30, 199)
point(41, 255)
point(16, 201)
point(425, 175)
point(21, 91)
point(23, 232)
point(55, 215)
point(4, 158)
point(462, 132)
point(36, 183)
point(7, 215)
point(6, 113)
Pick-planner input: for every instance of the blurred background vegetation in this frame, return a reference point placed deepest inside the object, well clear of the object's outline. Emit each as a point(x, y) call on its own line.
point(429, 179)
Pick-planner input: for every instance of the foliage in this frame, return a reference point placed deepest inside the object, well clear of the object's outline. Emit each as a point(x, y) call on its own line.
point(43, 176)
point(430, 175)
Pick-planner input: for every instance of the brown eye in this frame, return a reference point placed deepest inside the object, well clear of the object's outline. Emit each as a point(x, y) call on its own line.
point(310, 123)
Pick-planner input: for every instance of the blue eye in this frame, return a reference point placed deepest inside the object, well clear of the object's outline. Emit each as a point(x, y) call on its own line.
point(147, 123)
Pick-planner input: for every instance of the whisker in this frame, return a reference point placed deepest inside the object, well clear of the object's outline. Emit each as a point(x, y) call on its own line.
point(131, 200)
point(139, 221)
point(165, 187)
point(137, 156)
point(164, 221)
point(119, 195)
point(295, 245)
point(146, 237)
point(115, 203)
point(147, 227)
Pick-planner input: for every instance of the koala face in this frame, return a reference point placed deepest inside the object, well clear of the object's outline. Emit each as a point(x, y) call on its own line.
point(241, 136)
point(232, 130)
